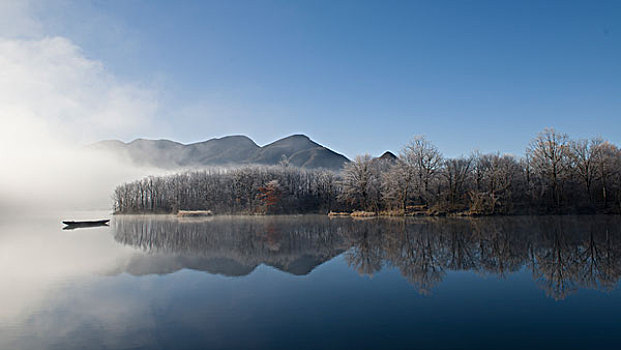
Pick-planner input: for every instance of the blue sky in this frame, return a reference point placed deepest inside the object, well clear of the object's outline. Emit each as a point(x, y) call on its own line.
point(360, 76)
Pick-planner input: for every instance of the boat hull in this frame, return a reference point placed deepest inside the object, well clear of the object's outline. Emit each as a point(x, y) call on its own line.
point(93, 222)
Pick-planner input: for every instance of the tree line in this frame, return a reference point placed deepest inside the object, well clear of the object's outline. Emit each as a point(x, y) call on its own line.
point(556, 175)
point(247, 190)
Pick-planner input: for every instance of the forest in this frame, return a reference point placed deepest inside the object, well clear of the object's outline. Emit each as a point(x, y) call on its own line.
point(556, 175)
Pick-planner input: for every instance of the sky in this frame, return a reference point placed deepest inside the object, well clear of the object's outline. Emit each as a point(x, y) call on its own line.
point(356, 76)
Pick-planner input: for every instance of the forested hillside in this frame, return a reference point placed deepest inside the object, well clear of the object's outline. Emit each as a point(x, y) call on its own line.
point(556, 175)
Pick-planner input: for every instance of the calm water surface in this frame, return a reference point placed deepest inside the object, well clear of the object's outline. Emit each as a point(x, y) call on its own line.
point(310, 282)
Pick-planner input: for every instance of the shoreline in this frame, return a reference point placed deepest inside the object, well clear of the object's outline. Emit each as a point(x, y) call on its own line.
point(368, 215)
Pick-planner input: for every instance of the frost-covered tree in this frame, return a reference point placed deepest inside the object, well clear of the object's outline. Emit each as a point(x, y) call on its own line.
point(585, 155)
point(426, 161)
point(361, 183)
point(549, 156)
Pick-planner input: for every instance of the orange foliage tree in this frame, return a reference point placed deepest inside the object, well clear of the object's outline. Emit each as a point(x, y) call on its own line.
point(270, 195)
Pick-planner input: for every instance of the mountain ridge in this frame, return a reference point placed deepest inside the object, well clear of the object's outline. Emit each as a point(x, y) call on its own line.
point(297, 150)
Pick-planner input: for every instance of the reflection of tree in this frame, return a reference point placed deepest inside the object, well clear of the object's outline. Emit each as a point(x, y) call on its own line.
point(590, 272)
point(563, 253)
point(575, 253)
point(598, 260)
point(501, 249)
point(366, 253)
point(418, 260)
point(272, 236)
point(556, 270)
point(291, 244)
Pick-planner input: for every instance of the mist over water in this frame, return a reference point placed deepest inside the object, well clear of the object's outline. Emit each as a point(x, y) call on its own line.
point(65, 178)
point(53, 102)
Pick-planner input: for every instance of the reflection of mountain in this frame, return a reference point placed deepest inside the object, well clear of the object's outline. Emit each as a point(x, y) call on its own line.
point(562, 253)
point(232, 247)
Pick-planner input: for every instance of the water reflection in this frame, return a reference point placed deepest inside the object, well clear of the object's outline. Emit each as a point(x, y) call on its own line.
point(229, 246)
point(76, 226)
point(563, 254)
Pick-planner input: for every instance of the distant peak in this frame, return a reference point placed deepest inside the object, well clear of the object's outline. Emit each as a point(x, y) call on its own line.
point(233, 137)
point(108, 142)
point(140, 139)
point(388, 156)
point(242, 138)
point(297, 136)
point(296, 140)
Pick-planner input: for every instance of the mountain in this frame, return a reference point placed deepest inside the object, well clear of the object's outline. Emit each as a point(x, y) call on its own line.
point(300, 151)
point(385, 161)
point(225, 150)
point(388, 156)
point(297, 150)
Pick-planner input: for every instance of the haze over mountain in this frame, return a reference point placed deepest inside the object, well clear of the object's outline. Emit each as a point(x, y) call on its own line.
point(297, 150)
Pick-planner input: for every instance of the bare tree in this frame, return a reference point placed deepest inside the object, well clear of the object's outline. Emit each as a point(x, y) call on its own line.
point(548, 154)
point(359, 182)
point(398, 185)
point(585, 155)
point(456, 172)
point(426, 160)
point(608, 168)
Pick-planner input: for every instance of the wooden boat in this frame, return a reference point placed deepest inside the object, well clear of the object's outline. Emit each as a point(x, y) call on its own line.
point(72, 225)
point(92, 223)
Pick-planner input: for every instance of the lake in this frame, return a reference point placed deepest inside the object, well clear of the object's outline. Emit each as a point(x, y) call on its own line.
point(311, 282)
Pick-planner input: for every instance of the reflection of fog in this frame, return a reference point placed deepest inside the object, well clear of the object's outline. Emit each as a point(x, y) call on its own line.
point(562, 253)
point(38, 261)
